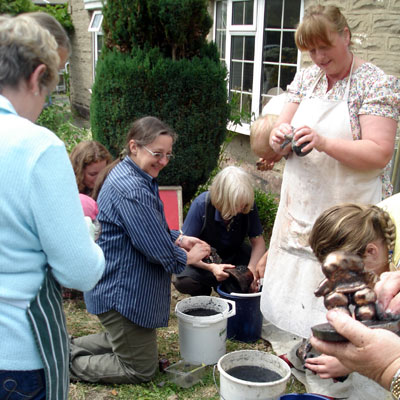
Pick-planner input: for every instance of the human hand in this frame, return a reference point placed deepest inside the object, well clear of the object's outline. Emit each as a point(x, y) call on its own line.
point(198, 252)
point(387, 290)
point(374, 353)
point(277, 137)
point(264, 165)
point(189, 241)
point(304, 134)
point(219, 271)
point(326, 366)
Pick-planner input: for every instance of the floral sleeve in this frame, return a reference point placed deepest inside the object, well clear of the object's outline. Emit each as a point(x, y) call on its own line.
point(382, 97)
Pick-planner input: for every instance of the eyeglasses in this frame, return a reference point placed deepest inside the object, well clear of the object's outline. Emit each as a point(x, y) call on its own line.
point(158, 155)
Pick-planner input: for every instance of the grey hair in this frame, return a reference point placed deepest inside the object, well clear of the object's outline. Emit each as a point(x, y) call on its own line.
point(231, 189)
point(24, 45)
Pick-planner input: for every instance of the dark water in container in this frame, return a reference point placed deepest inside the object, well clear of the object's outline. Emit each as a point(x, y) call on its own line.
point(201, 312)
point(252, 373)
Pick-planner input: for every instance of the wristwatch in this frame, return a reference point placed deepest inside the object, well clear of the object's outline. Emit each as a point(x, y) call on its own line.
point(395, 386)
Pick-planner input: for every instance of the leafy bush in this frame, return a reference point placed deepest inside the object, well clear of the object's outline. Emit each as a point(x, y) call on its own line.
point(58, 119)
point(189, 95)
point(177, 27)
point(58, 11)
point(14, 7)
point(267, 206)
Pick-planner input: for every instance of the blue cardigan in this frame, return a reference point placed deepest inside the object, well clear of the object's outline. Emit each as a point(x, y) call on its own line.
point(41, 221)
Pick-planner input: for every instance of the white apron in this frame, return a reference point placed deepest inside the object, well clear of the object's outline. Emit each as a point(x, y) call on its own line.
point(310, 185)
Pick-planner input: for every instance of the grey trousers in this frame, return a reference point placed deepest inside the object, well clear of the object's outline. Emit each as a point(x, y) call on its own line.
point(124, 353)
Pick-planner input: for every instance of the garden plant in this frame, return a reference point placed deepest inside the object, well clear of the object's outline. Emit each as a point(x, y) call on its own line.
point(157, 61)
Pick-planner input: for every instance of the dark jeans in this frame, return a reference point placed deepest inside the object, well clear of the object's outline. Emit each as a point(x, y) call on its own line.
point(22, 385)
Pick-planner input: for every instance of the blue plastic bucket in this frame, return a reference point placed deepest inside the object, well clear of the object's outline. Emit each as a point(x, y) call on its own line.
point(304, 396)
point(246, 325)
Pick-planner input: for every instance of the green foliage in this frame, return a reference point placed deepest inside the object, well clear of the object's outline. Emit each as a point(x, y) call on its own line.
point(189, 95)
point(177, 27)
point(14, 7)
point(60, 13)
point(267, 207)
point(58, 119)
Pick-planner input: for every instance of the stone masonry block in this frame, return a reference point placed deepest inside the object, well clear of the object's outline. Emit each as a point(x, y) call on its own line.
point(359, 23)
point(388, 23)
point(374, 43)
point(373, 5)
point(388, 62)
point(394, 44)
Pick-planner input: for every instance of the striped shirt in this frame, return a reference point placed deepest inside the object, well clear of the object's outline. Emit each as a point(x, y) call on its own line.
point(138, 247)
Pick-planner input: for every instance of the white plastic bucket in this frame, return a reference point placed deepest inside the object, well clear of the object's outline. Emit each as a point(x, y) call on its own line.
point(232, 388)
point(202, 339)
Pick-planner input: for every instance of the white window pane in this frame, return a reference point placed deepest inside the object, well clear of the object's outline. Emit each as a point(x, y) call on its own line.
point(95, 22)
point(236, 75)
point(242, 12)
point(269, 78)
point(237, 47)
point(292, 12)
point(221, 15)
point(273, 13)
point(248, 77)
point(289, 49)
point(287, 75)
point(246, 104)
point(249, 48)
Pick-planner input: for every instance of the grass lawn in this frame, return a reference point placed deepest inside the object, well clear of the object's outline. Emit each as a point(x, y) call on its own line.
point(81, 323)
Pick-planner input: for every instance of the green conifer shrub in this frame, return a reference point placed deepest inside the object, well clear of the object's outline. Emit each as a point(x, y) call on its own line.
point(146, 70)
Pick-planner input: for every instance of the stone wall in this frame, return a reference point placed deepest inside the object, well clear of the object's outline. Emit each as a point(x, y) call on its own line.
point(375, 27)
point(81, 62)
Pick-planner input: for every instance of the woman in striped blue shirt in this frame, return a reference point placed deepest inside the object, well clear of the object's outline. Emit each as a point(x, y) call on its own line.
point(133, 297)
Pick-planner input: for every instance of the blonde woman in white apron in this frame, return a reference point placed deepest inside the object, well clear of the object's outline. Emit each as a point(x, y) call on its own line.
point(347, 111)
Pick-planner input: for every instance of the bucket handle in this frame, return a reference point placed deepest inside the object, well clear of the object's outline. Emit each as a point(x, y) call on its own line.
point(232, 311)
point(223, 316)
point(215, 383)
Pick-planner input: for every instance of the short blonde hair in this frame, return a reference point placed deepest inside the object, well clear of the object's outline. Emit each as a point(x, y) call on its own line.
point(231, 189)
point(259, 134)
point(318, 22)
point(24, 45)
point(351, 227)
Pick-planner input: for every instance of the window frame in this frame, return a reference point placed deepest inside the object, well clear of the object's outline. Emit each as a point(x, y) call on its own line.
point(92, 28)
point(96, 33)
point(257, 30)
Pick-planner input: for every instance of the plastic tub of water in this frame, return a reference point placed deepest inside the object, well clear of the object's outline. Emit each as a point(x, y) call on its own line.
point(185, 374)
point(246, 325)
point(252, 375)
point(202, 322)
point(304, 396)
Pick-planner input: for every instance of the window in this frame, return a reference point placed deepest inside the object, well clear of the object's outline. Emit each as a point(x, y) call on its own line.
point(95, 22)
point(97, 37)
point(255, 39)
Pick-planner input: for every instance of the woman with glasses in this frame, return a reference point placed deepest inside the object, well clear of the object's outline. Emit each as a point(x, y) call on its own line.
point(223, 217)
point(132, 298)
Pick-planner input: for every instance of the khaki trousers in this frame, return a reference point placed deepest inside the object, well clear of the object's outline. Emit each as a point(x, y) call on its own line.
point(124, 353)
